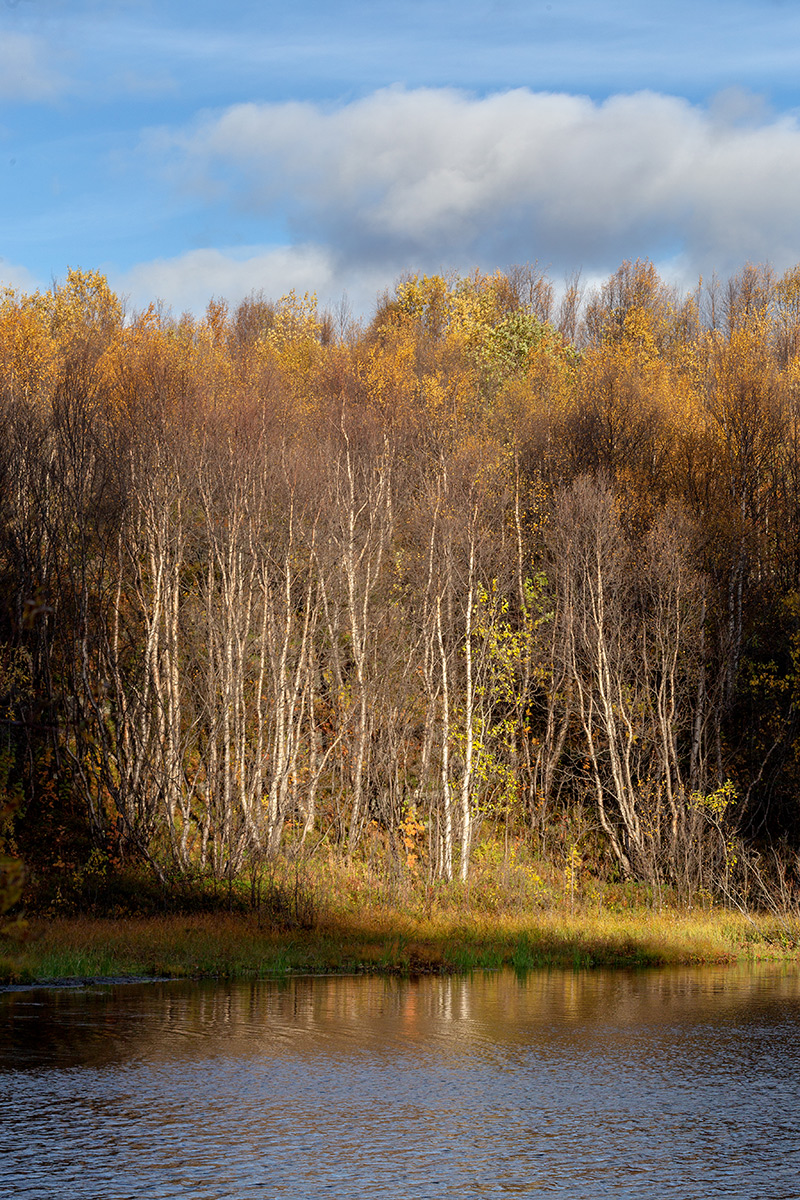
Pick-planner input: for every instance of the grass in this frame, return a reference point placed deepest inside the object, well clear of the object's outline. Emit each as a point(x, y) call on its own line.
point(336, 917)
point(237, 946)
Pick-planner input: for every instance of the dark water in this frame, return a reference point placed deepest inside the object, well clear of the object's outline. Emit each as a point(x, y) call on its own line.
point(662, 1084)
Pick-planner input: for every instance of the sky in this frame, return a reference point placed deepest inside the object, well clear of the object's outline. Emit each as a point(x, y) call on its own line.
point(199, 150)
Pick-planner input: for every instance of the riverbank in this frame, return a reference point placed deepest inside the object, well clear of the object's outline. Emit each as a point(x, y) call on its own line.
point(240, 946)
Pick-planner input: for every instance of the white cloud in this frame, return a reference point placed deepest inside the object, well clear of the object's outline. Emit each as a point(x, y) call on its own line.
point(19, 278)
point(436, 177)
point(188, 281)
point(25, 70)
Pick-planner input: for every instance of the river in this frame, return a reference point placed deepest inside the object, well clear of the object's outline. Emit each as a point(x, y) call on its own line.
point(654, 1084)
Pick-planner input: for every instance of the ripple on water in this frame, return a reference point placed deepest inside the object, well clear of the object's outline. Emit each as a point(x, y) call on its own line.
point(682, 1083)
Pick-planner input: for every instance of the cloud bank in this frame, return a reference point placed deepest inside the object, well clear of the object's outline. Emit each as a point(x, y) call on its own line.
point(436, 178)
point(188, 281)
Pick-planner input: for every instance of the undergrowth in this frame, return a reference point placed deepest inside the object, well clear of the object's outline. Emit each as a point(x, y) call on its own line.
point(321, 912)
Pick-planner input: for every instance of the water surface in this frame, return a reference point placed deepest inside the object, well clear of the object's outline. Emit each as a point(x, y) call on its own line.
point(673, 1083)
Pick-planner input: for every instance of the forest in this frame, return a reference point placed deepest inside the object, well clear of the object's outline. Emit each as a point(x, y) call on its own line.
point(500, 559)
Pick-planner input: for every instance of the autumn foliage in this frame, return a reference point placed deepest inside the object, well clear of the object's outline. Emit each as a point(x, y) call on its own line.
point(271, 576)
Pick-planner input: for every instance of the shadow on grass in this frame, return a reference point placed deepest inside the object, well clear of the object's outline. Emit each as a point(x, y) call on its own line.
point(239, 945)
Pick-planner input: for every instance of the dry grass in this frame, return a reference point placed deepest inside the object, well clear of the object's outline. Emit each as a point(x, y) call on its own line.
point(232, 946)
point(334, 916)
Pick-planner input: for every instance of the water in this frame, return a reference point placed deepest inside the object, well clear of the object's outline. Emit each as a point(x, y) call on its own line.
point(659, 1084)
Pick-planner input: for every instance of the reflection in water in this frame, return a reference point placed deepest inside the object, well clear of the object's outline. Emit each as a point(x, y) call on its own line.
point(671, 1083)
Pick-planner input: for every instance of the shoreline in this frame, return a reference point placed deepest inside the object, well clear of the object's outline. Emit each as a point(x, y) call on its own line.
point(70, 951)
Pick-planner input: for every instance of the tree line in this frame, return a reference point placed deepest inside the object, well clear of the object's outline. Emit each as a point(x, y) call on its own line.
point(274, 575)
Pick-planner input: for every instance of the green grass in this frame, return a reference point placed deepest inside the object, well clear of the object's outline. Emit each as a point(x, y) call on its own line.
point(236, 946)
point(335, 916)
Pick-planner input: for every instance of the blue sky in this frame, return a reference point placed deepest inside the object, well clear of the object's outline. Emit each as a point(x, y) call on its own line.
point(191, 150)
